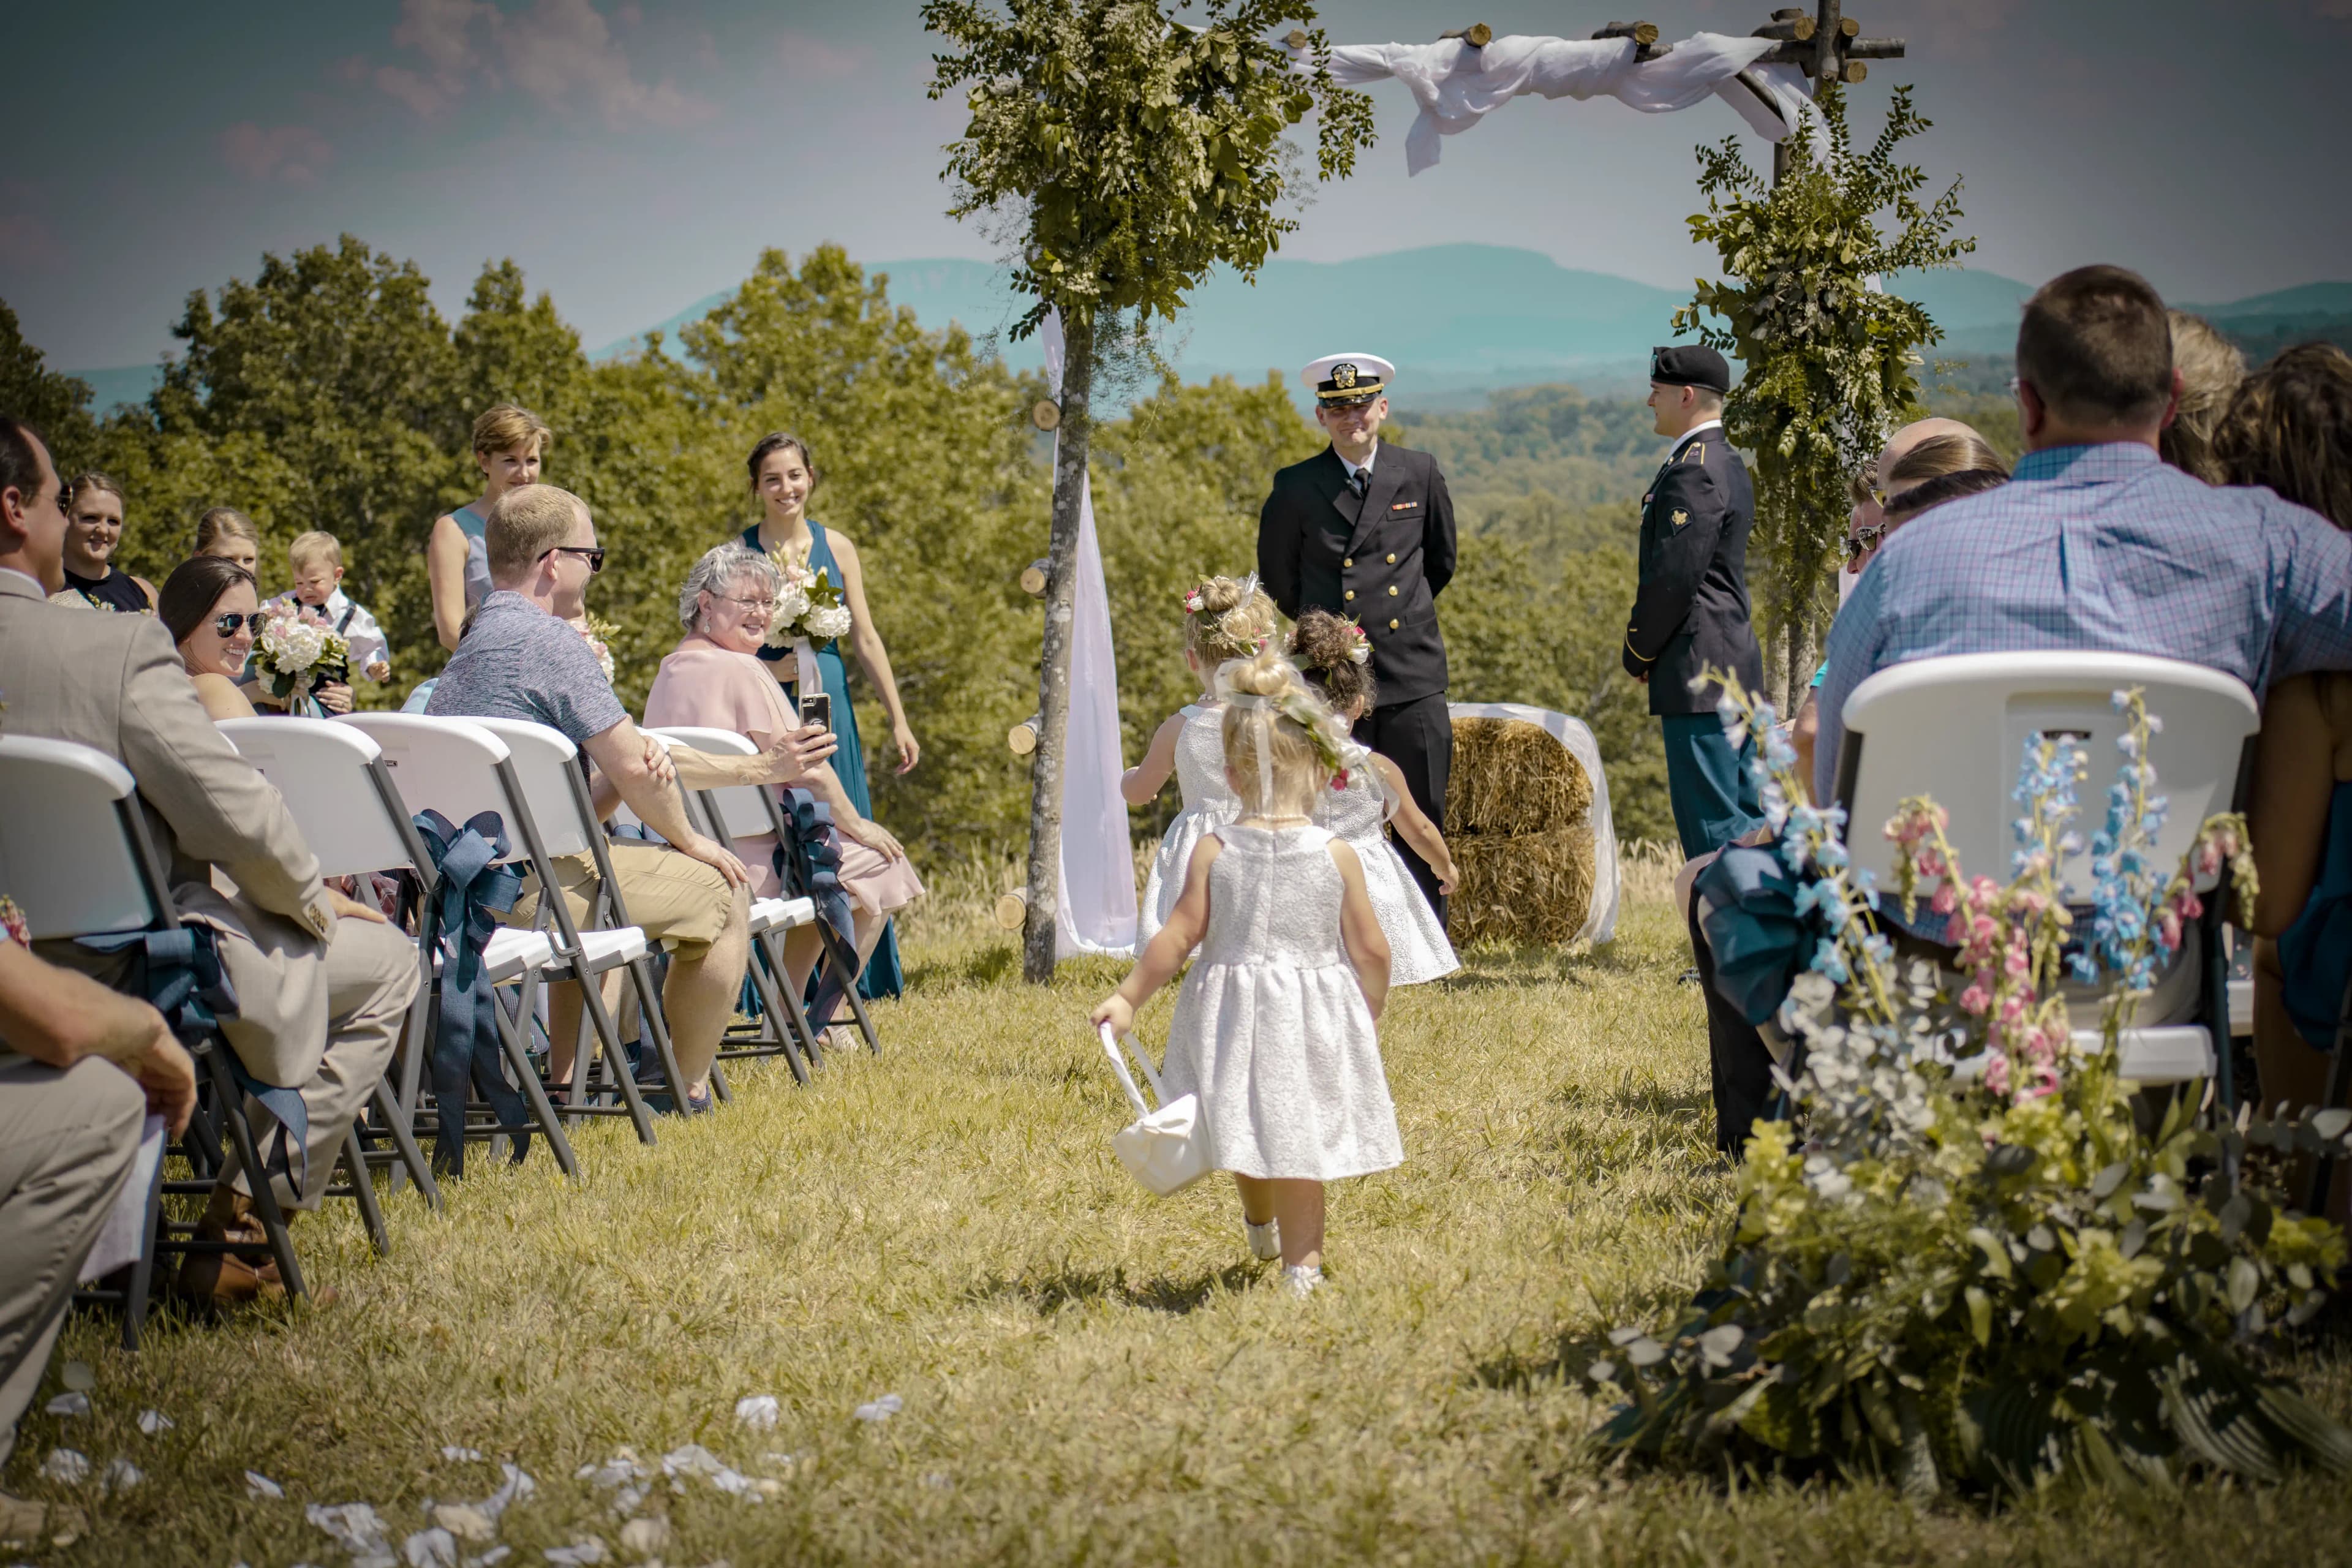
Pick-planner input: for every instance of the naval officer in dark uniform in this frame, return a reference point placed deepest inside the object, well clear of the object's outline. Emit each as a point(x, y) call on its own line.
point(1692, 610)
point(1365, 531)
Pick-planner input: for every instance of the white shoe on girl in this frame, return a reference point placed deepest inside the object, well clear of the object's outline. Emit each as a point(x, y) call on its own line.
point(1265, 1240)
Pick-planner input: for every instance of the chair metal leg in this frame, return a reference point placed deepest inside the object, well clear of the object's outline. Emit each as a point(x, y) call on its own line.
point(364, 1191)
point(142, 1280)
point(2340, 1081)
point(541, 1107)
point(248, 1154)
point(720, 1092)
point(412, 1165)
point(654, 1024)
point(781, 1009)
point(608, 1037)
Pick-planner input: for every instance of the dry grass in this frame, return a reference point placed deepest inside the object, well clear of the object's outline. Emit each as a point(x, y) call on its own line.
point(1510, 776)
point(1531, 888)
point(1088, 1374)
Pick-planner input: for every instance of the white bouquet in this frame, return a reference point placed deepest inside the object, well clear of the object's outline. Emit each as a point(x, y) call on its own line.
point(808, 604)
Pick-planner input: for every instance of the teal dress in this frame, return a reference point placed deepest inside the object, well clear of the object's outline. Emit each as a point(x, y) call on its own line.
point(883, 977)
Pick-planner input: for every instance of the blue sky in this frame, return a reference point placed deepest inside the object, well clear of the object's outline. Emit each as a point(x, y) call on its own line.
point(634, 155)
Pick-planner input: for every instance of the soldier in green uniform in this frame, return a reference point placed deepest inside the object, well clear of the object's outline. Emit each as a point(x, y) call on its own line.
point(1692, 611)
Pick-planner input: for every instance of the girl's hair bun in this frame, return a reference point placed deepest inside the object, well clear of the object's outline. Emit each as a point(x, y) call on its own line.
point(1227, 620)
point(1329, 649)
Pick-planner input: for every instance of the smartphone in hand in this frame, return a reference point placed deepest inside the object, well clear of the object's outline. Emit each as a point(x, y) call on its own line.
point(817, 708)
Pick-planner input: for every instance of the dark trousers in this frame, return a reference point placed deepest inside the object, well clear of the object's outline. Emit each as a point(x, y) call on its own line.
point(1739, 1064)
point(1707, 782)
point(1418, 737)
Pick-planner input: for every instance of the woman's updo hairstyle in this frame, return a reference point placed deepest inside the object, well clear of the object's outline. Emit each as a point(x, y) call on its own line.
point(1225, 619)
point(1294, 766)
point(776, 441)
point(186, 599)
point(1325, 647)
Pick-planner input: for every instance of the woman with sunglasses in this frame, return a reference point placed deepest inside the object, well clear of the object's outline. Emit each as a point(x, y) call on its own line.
point(213, 609)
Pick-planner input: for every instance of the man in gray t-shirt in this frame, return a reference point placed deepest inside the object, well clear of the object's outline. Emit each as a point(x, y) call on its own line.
point(521, 660)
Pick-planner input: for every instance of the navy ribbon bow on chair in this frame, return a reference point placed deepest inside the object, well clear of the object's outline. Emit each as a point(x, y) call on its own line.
point(1753, 929)
point(816, 865)
point(469, 893)
point(179, 971)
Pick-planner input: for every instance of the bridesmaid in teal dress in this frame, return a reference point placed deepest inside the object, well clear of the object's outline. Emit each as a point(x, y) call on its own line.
point(783, 475)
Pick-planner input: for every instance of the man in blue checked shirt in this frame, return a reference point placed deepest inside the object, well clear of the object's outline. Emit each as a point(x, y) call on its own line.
point(2095, 543)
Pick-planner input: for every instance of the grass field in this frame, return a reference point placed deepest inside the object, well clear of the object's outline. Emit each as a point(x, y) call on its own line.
point(1087, 1374)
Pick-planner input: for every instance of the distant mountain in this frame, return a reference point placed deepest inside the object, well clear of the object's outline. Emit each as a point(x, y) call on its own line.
point(1459, 321)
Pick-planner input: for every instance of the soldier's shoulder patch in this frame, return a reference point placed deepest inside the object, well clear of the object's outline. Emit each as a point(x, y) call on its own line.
point(1697, 453)
point(1681, 517)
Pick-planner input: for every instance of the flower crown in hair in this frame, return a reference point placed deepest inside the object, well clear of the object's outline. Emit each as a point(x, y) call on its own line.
point(1324, 730)
point(1193, 602)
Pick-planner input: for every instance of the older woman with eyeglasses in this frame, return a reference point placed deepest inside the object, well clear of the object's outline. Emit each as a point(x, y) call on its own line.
point(213, 609)
point(714, 680)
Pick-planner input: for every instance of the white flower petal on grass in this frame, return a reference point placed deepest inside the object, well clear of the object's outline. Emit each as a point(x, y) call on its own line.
point(121, 1475)
point(434, 1548)
point(73, 1403)
point(489, 1559)
point(588, 1549)
point(153, 1422)
point(66, 1467)
point(257, 1485)
point(881, 1409)
point(519, 1486)
point(690, 1459)
point(354, 1526)
point(78, 1376)
point(644, 1537)
point(622, 1467)
point(453, 1453)
point(464, 1522)
point(625, 1501)
point(760, 1412)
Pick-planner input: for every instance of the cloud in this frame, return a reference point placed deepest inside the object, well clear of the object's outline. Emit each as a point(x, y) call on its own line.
point(804, 56)
point(562, 55)
point(295, 154)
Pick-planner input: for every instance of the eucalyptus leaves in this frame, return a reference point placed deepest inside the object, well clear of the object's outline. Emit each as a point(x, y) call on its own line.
point(1997, 1278)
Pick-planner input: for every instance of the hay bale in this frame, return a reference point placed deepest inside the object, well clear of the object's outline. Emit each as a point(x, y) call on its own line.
point(1512, 777)
point(1530, 888)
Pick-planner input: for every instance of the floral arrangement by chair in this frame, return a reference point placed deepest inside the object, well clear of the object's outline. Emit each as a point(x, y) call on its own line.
point(1991, 1277)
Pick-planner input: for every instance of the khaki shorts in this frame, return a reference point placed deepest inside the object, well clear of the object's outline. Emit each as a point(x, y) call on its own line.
point(674, 899)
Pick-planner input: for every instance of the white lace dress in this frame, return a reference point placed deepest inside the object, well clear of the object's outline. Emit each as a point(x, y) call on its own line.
point(1209, 803)
point(1271, 1029)
point(1418, 950)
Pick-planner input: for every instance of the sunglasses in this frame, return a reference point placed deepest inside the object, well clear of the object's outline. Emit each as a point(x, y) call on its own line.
point(227, 624)
point(1862, 544)
point(592, 554)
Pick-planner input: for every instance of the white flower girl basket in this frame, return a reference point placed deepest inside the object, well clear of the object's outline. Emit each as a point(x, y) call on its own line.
point(1167, 1150)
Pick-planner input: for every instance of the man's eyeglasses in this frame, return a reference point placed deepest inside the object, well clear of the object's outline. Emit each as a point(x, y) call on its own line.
point(592, 554)
point(1862, 541)
point(227, 624)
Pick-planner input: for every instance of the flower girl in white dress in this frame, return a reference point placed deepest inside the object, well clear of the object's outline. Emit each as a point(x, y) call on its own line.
point(1223, 619)
point(1336, 656)
point(1273, 1026)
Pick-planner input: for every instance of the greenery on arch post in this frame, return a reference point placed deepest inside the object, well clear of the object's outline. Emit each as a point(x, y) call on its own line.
point(1124, 153)
point(1830, 362)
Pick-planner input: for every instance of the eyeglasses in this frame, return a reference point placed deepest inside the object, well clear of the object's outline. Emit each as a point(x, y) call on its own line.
point(227, 624)
point(1862, 542)
point(592, 554)
point(743, 603)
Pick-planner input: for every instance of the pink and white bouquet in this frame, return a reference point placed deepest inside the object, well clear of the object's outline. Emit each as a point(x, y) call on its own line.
point(297, 650)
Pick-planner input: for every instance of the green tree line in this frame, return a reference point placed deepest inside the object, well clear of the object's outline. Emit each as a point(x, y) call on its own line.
point(327, 391)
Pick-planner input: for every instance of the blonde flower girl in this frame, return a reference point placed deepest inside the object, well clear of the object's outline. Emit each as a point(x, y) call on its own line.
point(1223, 619)
point(1274, 1024)
point(1335, 655)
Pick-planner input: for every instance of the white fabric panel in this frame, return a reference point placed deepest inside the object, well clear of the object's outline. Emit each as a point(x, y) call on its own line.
point(1097, 908)
point(1457, 86)
point(1600, 921)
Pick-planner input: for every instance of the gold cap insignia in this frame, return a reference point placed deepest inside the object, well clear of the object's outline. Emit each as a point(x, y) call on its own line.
point(1343, 374)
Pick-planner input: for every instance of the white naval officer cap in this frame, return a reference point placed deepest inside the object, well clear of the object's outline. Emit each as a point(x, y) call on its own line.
point(1342, 381)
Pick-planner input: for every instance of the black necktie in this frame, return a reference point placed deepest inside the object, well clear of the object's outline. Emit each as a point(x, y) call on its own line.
point(1360, 482)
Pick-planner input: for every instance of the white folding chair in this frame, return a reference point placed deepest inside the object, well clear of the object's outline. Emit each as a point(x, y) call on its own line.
point(460, 768)
point(739, 811)
point(753, 810)
point(76, 857)
point(1955, 729)
point(338, 787)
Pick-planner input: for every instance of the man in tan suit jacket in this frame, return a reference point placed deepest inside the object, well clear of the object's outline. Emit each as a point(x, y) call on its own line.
point(322, 982)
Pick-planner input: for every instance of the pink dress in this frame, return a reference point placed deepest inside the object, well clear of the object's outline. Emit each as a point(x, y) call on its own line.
point(705, 685)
